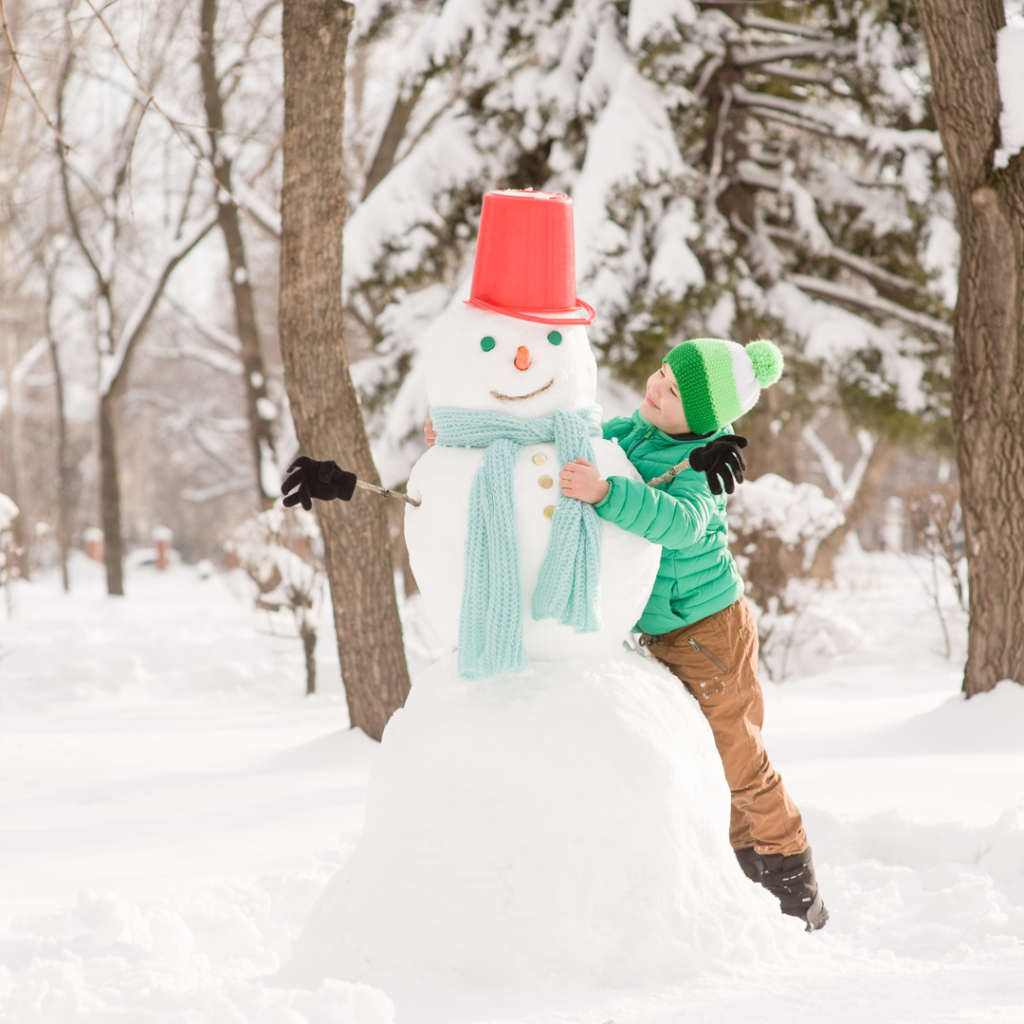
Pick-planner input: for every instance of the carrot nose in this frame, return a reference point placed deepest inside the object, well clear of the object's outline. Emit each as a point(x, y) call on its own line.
point(523, 358)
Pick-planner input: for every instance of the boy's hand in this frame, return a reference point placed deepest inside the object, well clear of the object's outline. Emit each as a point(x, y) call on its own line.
point(429, 433)
point(581, 480)
point(722, 462)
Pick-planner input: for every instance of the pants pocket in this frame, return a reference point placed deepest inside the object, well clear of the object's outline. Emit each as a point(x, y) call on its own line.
point(701, 649)
point(696, 657)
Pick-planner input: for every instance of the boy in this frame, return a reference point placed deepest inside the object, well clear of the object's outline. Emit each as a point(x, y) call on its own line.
point(697, 622)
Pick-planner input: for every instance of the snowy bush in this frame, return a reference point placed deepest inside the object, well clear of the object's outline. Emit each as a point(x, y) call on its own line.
point(776, 527)
point(281, 552)
point(8, 550)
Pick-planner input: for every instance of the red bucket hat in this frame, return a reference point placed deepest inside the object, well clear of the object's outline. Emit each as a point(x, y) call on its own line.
point(526, 259)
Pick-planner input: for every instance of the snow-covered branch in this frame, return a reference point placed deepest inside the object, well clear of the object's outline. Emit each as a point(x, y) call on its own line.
point(798, 74)
point(796, 51)
point(750, 172)
point(871, 303)
point(844, 486)
point(789, 28)
point(864, 267)
point(27, 361)
point(815, 118)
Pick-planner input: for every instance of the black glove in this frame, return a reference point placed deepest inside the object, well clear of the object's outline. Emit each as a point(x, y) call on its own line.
point(323, 480)
point(721, 461)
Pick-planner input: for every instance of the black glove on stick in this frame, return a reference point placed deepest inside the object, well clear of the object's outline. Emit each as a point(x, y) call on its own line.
point(324, 480)
point(721, 461)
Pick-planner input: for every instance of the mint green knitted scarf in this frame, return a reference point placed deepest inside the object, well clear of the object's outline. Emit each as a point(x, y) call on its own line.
point(491, 622)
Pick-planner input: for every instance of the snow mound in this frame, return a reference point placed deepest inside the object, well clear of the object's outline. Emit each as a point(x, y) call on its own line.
point(199, 962)
point(566, 824)
point(924, 890)
point(987, 723)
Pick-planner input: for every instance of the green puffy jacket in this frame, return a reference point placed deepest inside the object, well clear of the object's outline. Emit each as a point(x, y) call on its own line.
point(697, 576)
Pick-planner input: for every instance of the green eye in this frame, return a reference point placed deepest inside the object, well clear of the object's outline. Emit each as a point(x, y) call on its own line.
point(487, 343)
point(555, 338)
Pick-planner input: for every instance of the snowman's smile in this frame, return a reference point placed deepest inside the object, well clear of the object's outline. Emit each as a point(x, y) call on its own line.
point(519, 398)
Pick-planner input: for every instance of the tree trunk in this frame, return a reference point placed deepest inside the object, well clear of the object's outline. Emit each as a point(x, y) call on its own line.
point(65, 471)
point(863, 504)
point(260, 434)
point(110, 496)
point(328, 420)
point(13, 437)
point(988, 363)
point(308, 635)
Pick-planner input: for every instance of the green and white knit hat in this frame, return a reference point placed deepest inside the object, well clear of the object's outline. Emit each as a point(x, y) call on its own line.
point(719, 380)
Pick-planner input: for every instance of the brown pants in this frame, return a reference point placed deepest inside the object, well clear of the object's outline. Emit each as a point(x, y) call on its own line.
point(716, 659)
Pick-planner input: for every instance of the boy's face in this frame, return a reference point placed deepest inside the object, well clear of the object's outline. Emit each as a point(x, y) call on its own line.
point(663, 408)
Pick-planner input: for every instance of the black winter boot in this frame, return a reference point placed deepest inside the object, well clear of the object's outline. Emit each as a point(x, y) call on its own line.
point(790, 879)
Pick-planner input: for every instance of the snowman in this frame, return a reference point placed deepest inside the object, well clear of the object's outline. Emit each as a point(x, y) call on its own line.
point(511, 570)
point(547, 808)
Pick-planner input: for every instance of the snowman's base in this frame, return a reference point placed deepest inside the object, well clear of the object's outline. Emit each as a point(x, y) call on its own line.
point(568, 824)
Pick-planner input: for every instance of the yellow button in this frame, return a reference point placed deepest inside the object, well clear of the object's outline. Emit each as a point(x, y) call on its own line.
point(549, 511)
point(545, 481)
point(540, 458)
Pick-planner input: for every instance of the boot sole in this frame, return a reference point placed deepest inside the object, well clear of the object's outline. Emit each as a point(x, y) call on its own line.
point(817, 921)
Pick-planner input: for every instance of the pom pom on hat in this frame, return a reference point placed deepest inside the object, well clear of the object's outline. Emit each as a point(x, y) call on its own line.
point(767, 360)
point(719, 380)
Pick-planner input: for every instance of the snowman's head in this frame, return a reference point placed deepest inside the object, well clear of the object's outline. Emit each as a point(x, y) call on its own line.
point(481, 360)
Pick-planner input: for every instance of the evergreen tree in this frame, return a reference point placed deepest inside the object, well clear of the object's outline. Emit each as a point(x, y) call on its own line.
point(736, 170)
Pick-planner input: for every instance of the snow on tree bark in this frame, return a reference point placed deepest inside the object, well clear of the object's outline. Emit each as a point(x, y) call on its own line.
point(327, 416)
point(988, 373)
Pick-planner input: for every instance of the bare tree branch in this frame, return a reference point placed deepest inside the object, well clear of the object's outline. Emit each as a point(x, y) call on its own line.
point(236, 65)
point(28, 85)
point(210, 357)
point(91, 184)
point(113, 366)
point(9, 71)
point(62, 159)
point(260, 212)
point(224, 339)
point(189, 145)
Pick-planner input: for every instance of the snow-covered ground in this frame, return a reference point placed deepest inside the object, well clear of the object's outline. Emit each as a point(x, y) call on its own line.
point(171, 806)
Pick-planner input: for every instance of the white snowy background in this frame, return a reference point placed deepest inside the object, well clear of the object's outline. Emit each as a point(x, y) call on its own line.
point(172, 806)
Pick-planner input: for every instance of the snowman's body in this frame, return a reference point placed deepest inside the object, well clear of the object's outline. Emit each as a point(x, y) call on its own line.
point(436, 535)
point(462, 374)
